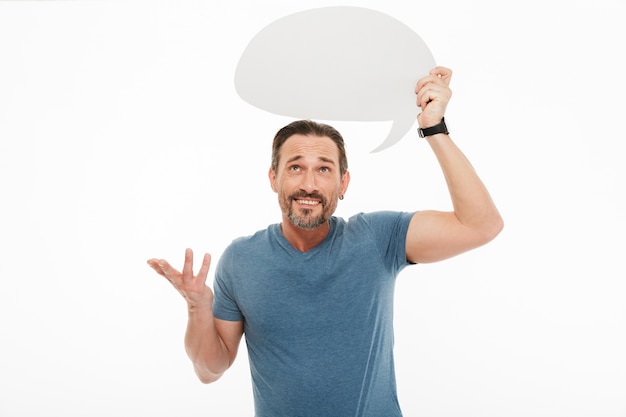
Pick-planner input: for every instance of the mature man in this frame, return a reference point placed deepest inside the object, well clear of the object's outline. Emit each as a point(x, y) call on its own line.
point(314, 294)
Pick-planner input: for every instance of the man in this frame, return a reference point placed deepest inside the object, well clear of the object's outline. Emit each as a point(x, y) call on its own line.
point(314, 294)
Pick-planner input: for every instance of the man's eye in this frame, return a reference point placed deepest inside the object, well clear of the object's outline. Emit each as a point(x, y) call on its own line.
point(294, 168)
point(324, 169)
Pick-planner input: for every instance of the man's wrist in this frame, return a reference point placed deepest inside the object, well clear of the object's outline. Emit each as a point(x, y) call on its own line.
point(202, 308)
point(433, 130)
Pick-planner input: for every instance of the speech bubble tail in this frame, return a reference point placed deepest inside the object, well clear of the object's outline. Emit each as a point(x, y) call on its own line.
point(397, 132)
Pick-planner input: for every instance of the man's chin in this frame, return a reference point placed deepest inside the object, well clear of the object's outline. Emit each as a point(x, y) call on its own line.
point(308, 223)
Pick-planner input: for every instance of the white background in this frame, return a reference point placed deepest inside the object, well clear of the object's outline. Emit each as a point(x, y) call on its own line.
point(122, 139)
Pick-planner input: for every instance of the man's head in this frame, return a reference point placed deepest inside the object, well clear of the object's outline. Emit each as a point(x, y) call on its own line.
point(309, 172)
point(309, 127)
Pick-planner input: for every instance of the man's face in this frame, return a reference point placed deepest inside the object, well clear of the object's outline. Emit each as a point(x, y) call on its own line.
point(308, 180)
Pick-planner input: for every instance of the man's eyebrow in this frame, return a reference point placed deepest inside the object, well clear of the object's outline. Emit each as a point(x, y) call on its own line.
point(321, 158)
point(294, 158)
point(327, 160)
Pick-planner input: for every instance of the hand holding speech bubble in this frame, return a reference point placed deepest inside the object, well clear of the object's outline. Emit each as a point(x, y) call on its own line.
point(336, 63)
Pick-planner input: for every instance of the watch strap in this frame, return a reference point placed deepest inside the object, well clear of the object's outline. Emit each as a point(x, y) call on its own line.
point(433, 130)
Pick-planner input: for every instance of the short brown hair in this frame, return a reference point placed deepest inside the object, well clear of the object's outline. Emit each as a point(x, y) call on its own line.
point(309, 127)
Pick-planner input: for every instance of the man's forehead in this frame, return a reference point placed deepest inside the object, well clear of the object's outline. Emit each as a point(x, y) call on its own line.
point(310, 146)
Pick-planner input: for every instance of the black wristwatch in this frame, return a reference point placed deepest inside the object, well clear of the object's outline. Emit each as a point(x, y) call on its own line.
point(433, 130)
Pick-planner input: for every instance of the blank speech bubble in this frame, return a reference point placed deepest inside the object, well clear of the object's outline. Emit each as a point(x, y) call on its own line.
point(336, 63)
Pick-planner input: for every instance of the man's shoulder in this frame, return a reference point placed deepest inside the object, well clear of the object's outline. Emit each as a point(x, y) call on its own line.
point(381, 216)
point(254, 238)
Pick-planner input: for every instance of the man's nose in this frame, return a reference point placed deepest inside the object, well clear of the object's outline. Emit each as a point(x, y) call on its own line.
point(309, 183)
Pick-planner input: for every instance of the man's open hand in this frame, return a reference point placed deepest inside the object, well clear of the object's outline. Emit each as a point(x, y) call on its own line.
point(192, 287)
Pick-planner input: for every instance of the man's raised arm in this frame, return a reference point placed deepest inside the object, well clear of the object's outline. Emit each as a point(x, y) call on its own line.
point(475, 220)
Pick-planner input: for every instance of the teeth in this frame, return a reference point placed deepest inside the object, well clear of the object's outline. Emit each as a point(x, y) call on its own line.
point(308, 202)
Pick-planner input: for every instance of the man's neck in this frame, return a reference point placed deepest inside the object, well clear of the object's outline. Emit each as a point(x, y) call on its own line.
point(304, 239)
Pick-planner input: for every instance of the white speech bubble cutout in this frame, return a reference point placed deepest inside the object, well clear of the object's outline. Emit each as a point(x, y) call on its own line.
point(336, 63)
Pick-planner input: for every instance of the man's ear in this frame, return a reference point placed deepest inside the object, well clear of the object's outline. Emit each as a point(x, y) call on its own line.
point(271, 174)
point(345, 180)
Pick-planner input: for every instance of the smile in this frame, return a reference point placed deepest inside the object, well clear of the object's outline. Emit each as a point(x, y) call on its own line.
point(308, 202)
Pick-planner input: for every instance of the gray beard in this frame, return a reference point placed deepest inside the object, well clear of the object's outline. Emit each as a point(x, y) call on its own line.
point(307, 223)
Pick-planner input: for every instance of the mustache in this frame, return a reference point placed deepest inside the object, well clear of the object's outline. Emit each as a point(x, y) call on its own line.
point(301, 194)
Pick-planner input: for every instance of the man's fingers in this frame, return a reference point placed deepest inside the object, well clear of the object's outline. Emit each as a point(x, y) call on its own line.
point(188, 266)
point(186, 278)
point(164, 269)
point(168, 272)
point(438, 75)
point(429, 93)
point(160, 266)
point(204, 269)
point(443, 73)
point(154, 264)
point(424, 97)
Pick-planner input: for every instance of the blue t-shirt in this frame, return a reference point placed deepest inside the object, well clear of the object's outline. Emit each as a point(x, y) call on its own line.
point(319, 324)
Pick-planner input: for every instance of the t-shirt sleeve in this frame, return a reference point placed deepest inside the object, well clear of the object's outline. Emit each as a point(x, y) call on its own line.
point(389, 229)
point(224, 303)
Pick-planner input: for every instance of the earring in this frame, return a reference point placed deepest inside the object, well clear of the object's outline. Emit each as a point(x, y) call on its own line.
point(341, 197)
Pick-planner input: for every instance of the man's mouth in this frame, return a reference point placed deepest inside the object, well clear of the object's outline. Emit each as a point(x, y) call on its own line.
point(308, 202)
